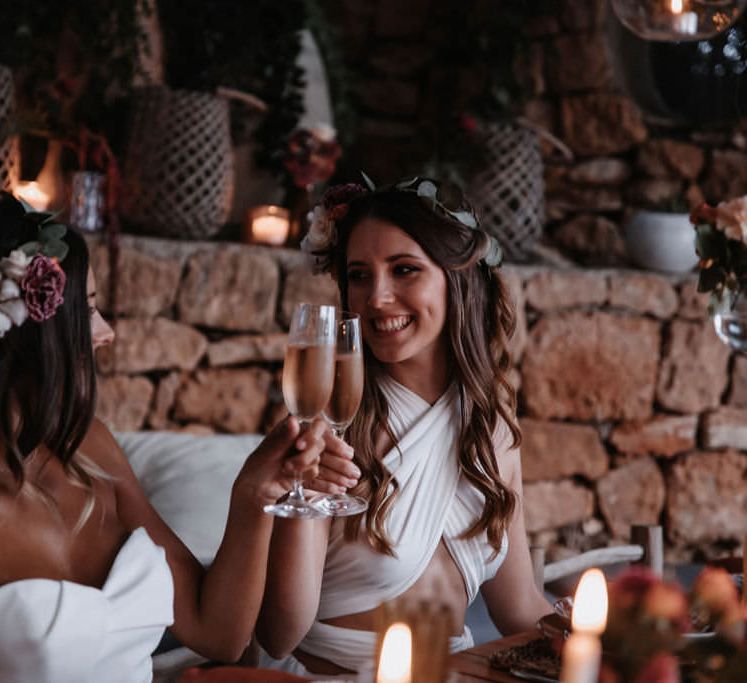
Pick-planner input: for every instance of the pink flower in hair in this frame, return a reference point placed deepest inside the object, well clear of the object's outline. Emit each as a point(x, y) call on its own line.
point(337, 198)
point(43, 286)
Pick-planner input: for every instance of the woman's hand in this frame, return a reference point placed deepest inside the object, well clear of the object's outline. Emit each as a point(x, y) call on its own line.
point(287, 453)
point(337, 471)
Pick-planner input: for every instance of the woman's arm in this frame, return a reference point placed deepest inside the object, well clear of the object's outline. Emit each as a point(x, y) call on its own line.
point(215, 610)
point(513, 600)
point(296, 564)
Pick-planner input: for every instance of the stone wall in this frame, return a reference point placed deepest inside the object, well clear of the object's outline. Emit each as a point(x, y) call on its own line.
point(404, 90)
point(632, 410)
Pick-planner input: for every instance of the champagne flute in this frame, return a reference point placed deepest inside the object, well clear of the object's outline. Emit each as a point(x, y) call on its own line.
point(343, 405)
point(308, 377)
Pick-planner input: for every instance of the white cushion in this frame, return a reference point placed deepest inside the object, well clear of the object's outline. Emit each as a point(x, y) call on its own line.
point(188, 480)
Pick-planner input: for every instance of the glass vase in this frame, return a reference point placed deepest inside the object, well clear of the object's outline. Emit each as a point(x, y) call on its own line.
point(87, 201)
point(730, 319)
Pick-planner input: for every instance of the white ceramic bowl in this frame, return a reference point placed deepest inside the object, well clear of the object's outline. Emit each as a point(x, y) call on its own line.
point(661, 241)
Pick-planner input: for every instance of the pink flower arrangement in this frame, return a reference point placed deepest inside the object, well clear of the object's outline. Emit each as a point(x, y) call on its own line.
point(43, 286)
point(649, 618)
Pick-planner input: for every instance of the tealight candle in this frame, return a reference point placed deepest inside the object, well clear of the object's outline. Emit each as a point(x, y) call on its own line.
point(395, 662)
point(582, 652)
point(268, 225)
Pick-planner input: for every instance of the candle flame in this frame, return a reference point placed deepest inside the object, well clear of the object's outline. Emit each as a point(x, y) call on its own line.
point(33, 194)
point(396, 655)
point(676, 6)
point(590, 603)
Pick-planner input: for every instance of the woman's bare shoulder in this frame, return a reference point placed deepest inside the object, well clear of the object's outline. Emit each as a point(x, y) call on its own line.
point(100, 446)
point(506, 450)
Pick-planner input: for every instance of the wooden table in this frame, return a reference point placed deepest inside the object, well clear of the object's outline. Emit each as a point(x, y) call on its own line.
point(473, 665)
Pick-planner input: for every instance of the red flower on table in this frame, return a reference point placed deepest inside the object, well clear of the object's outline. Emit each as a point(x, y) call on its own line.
point(43, 287)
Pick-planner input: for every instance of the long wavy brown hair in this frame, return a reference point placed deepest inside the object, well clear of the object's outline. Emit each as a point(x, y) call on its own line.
point(47, 372)
point(480, 320)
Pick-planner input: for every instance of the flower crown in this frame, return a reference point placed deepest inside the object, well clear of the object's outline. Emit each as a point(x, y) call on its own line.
point(31, 279)
point(321, 238)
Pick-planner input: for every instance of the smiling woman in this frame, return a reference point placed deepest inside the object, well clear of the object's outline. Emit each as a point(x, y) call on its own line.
point(435, 438)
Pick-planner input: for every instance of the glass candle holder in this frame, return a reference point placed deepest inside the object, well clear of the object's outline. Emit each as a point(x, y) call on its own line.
point(87, 201)
point(267, 224)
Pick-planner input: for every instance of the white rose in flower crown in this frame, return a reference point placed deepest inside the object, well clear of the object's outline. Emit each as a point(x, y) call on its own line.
point(731, 218)
point(14, 265)
point(322, 232)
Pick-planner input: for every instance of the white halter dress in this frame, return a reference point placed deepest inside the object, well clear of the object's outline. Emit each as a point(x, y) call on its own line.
point(63, 632)
point(434, 502)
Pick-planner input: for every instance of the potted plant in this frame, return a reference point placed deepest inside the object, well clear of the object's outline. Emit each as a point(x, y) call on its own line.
point(661, 238)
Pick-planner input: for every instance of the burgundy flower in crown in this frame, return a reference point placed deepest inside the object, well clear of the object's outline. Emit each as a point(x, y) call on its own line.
point(43, 287)
point(336, 199)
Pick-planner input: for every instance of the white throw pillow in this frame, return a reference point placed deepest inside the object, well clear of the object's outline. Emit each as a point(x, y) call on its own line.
point(188, 480)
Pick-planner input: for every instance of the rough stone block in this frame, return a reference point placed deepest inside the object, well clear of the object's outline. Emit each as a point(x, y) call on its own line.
point(552, 290)
point(601, 124)
point(590, 366)
point(123, 402)
point(553, 504)
point(665, 435)
point(643, 294)
point(725, 427)
point(707, 498)
point(556, 450)
point(142, 345)
point(231, 289)
point(592, 240)
point(631, 494)
point(693, 372)
point(726, 175)
point(665, 158)
point(146, 285)
point(302, 285)
point(600, 171)
point(246, 348)
point(578, 62)
point(230, 400)
point(693, 304)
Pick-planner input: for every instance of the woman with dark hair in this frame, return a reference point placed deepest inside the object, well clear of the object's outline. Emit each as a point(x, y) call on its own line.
point(89, 574)
point(436, 437)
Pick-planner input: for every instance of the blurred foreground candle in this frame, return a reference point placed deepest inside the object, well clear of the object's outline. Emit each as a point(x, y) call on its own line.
point(582, 651)
point(267, 225)
point(395, 662)
point(32, 193)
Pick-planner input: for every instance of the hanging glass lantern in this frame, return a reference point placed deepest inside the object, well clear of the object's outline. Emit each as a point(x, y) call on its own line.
point(677, 20)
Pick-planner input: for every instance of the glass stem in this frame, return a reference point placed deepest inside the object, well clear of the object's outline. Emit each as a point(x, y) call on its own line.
point(297, 490)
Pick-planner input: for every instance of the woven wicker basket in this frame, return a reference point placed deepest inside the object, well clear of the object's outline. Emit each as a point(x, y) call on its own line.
point(9, 158)
point(508, 194)
point(178, 172)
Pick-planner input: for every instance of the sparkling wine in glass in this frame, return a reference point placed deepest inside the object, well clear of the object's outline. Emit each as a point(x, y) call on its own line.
point(308, 378)
point(343, 405)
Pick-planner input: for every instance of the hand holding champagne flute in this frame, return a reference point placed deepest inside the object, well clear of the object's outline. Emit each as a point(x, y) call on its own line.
point(308, 377)
point(343, 404)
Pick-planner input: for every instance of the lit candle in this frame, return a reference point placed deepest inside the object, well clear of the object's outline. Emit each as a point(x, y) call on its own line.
point(683, 22)
point(32, 193)
point(395, 662)
point(582, 651)
point(268, 224)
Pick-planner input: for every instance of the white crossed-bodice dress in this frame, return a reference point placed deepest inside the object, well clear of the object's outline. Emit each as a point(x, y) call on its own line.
point(433, 503)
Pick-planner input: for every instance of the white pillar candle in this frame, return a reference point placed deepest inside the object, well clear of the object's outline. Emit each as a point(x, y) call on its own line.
point(582, 652)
